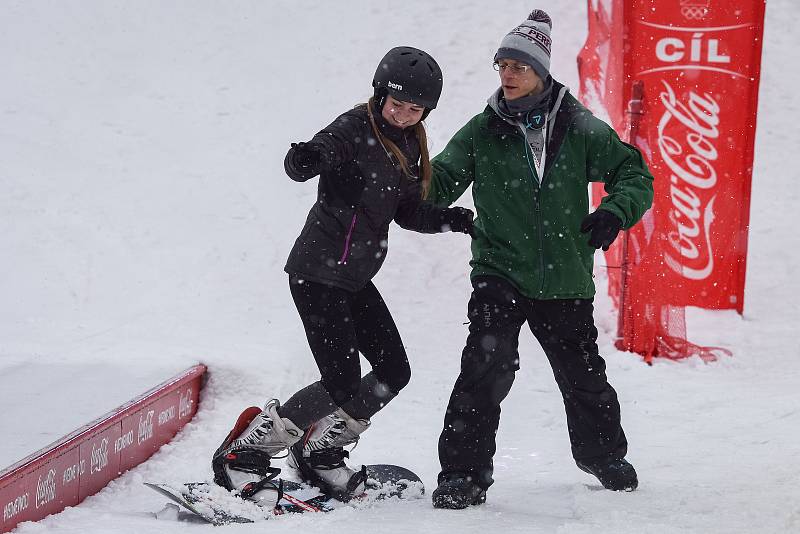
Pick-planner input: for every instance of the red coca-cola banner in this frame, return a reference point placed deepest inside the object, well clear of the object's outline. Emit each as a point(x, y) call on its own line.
point(82, 463)
point(695, 67)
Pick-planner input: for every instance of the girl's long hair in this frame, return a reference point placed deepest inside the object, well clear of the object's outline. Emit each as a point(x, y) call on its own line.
point(424, 156)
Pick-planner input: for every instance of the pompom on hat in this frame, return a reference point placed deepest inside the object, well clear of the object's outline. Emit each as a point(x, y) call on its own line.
point(529, 43)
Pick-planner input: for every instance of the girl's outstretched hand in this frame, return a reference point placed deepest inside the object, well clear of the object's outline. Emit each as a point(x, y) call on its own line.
point(306, 156)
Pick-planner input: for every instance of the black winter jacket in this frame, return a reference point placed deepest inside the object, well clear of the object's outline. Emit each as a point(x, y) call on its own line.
point(361, 190)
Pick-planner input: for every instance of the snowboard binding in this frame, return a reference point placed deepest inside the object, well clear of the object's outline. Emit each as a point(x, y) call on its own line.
point(326, 470)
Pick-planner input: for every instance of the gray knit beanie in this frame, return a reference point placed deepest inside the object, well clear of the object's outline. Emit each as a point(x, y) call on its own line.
point(529, 43)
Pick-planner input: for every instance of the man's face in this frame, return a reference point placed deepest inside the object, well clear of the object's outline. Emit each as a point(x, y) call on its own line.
point(518, 79)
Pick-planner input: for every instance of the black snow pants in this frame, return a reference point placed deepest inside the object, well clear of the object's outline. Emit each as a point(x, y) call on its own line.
point(566, 331)
point(340, 324)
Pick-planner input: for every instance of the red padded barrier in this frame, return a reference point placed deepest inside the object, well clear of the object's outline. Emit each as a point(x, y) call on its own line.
point(83, 462)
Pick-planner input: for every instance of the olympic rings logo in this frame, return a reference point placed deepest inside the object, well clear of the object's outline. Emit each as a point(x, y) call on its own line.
point(694, 12)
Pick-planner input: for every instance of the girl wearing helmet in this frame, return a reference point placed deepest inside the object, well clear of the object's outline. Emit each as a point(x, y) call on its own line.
point(373, 168)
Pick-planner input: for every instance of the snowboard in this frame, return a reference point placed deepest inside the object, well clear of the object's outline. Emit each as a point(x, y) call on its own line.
point(218, 506)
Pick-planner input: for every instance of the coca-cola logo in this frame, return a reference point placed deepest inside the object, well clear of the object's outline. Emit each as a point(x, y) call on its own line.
point(686, 132)
point(18, 505)
point(99, 459)
point(46, 488)
point(185, 404)
point(145, 427)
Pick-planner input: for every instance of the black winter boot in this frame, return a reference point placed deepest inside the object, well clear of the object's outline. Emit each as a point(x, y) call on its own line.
point(457, 491)
point(613, 473)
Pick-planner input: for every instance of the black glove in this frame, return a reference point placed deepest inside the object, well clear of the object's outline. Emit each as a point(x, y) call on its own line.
point(307, 156)
point(460, 220)
point(604, 227)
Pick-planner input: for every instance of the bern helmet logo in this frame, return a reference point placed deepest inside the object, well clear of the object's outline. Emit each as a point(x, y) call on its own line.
point(396, 86)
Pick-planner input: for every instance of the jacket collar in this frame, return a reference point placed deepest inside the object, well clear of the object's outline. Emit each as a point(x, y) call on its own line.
point(567, 109)
point(522, 109)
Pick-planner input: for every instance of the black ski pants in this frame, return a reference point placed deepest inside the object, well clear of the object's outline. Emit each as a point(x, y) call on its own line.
point(339, 324)
point(566, 331)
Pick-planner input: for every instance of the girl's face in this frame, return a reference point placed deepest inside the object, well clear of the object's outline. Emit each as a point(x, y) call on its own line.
point(401, 114)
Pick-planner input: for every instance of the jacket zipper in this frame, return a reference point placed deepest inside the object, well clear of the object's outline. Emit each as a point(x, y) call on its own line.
point(541, 242)
point(538, 213)
point(346, 252)
point(343, 259)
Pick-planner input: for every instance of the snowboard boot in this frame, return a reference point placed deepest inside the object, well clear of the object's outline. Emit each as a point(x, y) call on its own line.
point(457, 491)
point(319, 457)
point(613, 473)
point(242, 462)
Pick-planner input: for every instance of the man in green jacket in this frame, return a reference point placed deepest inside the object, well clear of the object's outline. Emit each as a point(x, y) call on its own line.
point(529, 157)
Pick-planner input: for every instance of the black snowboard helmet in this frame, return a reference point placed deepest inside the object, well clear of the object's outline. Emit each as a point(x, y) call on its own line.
point(410, 75)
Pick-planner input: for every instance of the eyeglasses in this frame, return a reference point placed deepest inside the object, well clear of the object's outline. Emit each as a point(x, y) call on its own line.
point(515, 69)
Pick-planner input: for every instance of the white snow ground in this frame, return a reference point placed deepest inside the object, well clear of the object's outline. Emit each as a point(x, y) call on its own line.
point(145, 218)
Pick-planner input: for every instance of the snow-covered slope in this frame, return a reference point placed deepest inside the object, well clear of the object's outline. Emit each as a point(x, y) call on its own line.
point(145, 218)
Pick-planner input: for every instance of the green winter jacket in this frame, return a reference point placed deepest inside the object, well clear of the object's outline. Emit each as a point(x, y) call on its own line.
point(529, 233)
